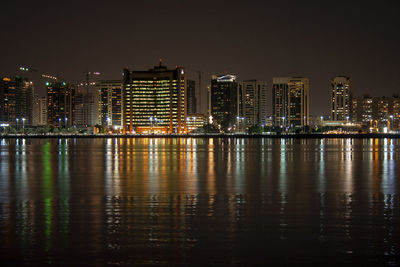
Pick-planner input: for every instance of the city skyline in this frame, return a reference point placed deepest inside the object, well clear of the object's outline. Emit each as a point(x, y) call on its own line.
point(314, 40)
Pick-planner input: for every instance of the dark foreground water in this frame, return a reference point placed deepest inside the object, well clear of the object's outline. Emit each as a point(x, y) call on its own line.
point(203, 202)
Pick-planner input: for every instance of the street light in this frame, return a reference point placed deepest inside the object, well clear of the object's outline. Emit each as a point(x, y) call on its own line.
point(66, 119)
point(23, 124)
point(59, 122)
point(284, 126)
point(17, 122)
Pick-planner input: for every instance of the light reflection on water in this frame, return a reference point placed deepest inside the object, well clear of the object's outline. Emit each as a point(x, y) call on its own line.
point(199, 201)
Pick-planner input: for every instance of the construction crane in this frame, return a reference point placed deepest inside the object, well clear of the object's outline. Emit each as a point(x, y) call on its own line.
point(43, 75)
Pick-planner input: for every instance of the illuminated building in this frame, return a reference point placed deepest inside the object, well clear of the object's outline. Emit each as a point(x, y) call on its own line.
point(367, 109)
point(85, 104)
point(253, 102)
point(355, 110)
point(377, 112)
point(396, 113)
point(291, 105)
point(80, 110)
point(195, 121)
point(224, 104)
point(59, 104)
point(39, 111)
point(191, 100)
point(279, 100)
point(383, 108)
point(340, 98)
point(110, 102)
point(16, 100)
point(154, 100)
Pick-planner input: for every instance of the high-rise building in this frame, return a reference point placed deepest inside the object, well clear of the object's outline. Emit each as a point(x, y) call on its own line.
point(298, 102)
point(395, 122)
point(16, 100)
point(280, 100)
point(154, 100)
point(110, 102)
point(377, 112)
point(340, 98)
point(59, 104)
point(191, 100)
point(224, 101)
point(80, 109)
point(291, 105)
point(253, 102)
point(384, 108)
point(39, 111)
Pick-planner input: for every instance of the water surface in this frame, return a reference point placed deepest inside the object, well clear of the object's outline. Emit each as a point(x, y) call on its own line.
point(70, 202)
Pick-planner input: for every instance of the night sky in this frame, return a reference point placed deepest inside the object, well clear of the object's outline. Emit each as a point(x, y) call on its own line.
point(251, 39)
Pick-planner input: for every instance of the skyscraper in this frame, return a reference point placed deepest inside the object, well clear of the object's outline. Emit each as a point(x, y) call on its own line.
point(224, 102)
point(39, 111)
point(191, 97)
point(291, 105)
point(16, 100)
point(59, 103)
point(80, 109)
point(110, 102)
point(280, 100)
point(340, 98)
point(298, 101)
point(253, 102)
point(154, 100)
point(376, 111)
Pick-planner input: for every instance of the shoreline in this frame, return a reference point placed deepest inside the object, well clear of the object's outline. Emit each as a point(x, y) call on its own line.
point(286, 136)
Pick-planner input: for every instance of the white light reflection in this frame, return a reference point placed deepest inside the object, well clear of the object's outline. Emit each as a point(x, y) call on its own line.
point(240, 182)
point(191, 166)
point(388, 168)
point(321, 167)
point(153, 169)
point(63, 184)
point(283, 167)
point(211, 169)
point(108, 168)
point(348, 166)
point(21, 178)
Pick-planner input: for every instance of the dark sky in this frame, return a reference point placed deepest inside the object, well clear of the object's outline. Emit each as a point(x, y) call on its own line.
point(251, 39)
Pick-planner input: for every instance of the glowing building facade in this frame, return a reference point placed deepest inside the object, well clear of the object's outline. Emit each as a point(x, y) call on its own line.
point(16, 101)
point(291, 105)
point(340, 98)
point(59, 104)
point(253, 102)
point(154, 100)
point(195, 121)
point(224, 101)
point(39, 111)
point(110, 102)
point(279, 100)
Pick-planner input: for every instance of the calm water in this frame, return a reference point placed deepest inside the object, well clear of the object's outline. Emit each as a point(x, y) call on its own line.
point(72, 202)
